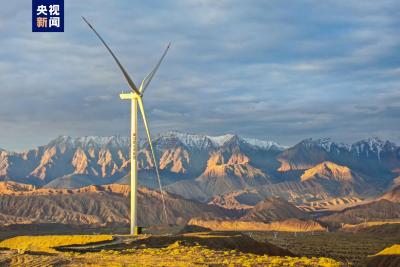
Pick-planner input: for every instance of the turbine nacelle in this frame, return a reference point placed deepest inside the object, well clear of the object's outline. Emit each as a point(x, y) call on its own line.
point(129, 96)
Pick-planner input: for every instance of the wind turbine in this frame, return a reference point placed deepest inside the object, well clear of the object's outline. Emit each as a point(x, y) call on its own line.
point(136, 96)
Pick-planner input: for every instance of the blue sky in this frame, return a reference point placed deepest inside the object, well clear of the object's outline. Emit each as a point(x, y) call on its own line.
point(277, 70)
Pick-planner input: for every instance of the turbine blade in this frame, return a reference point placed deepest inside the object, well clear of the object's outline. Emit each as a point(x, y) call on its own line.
point(141, 107)
point(146, 81)
point(126, 75)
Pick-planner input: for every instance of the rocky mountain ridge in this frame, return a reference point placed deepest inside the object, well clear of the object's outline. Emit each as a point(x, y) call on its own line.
point(202, 167)
point(105, 205)
point(95, 205)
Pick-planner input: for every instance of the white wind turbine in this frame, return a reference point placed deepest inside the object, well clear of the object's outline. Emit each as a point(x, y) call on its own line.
point(136, 96)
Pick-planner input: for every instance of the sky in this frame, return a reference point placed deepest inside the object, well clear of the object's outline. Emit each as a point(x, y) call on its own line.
point(273, 70)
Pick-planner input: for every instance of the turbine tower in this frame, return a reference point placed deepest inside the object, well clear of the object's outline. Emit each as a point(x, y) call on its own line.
point(136, 96)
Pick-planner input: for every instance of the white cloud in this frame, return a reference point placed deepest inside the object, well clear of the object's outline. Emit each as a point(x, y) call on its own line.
point(255, 68)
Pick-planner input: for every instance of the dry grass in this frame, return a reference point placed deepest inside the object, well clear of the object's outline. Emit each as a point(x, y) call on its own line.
point(348, 247)
point(179, 253)
point(176, 254)
point(393, 250)
point(47, 243)
point(388, 257)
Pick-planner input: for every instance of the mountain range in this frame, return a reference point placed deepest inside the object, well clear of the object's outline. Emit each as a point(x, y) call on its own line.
point(225, 182)
point(96, 205)
point(107, 205)
point(202, 167)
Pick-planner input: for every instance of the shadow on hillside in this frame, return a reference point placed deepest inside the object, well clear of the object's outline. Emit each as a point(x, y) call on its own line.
point(216, 241)
point(384, 261)
point(210, 240)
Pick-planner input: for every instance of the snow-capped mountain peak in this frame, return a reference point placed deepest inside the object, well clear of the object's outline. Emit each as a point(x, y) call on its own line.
point(370, 147)
point(220, 140)
point(264, 144)
point(373, 145)
point(198, 141)
point(187, 139)
point(205, 141)
point(91, 141)
point(326, 144)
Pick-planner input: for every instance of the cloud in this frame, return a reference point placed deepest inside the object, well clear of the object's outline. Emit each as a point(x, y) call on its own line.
point(264, 69)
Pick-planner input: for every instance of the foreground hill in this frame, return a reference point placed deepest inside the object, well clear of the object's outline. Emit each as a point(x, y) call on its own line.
point(374, 211)
point(95, 205)
point(190, 249)
point(378, 228)
point(289, 225)
point(389, 257)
